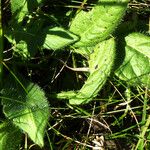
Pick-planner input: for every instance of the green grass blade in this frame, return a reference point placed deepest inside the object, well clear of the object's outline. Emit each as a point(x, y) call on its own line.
point(140, 144)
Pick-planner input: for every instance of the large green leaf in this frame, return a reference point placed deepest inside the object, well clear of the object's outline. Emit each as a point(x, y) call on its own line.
point(26, 42)
point(27, 107)
point(57, 38)
point(23, 34)
point(10, 136)
point(135, 68)
point(100, 65)
point(96, 25)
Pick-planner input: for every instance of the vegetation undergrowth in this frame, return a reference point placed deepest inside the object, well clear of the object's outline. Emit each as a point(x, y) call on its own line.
point(74, 75)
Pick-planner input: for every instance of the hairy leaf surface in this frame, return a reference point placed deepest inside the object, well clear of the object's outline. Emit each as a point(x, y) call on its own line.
point(135, 68)
point(100, 65)
point(27, 107)
point(96, 25)
point(10, 136)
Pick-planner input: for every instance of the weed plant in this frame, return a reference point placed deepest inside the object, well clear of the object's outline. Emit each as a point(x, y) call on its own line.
point(74, 75)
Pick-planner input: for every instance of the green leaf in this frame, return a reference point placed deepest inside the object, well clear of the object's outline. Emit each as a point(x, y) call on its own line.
point(84, 51)
point(22, 49)
point(26, 40)
point(57, 38)
point(27, 107)
point(10, 136)
point(97, 25)
point(22, 41)
point(100, 65)
point(20, 8)
point(135, 68)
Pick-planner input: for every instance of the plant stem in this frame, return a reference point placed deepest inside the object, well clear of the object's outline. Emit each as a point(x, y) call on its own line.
point(140, 144)
point(1, 45)
point(143, 132)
